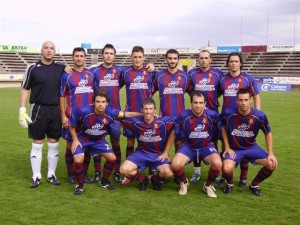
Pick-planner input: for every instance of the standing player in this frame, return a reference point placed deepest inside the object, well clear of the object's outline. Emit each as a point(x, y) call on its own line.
point(240, 127)
point(197, 125)
point(77, 91)
point(108, 78)
point(171, 83)
point(138, 83)
point(43, 79)
point(93, 122)
point(230, 84)
point(207, 80)
point(152, 134)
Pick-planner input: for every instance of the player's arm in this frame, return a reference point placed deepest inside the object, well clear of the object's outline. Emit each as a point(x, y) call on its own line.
point(24, 119)
point(165, 154)
point(126, 114)
point(226, 144)
point(75, 142)
point(257, 103)
point(271, 158)
point(62, 107)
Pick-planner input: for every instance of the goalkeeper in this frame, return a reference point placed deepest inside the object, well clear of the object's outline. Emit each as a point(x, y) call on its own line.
point(43, 80)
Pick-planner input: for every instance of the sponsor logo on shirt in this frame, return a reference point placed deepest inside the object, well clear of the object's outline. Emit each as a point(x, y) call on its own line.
point(242, 131)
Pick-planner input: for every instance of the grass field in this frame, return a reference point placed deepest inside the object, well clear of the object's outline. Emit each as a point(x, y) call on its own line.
point(49, 204)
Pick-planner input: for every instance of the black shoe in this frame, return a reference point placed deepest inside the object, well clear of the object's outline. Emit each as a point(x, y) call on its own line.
point(79, 189)
point(106, 185)
point(228, 189)
point(156, 184)
point(243, 183)
point(255, 190)
point(53, 180)
point(177, 180)
point(71, 179)
point(143, 184)
point(96, 178)
point(35, 182)
point(220, 181)
point(118, 178)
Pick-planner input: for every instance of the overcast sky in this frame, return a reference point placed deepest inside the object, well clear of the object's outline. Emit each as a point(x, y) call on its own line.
point(150, 23)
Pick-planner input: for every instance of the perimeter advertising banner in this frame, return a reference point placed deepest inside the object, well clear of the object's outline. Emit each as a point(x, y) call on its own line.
point(275, 87)
point(17, 48)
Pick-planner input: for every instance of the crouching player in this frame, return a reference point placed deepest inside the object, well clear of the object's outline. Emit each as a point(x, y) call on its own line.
point(197, 125)
point(239, 130)
point(155, 136)
point(93, 122)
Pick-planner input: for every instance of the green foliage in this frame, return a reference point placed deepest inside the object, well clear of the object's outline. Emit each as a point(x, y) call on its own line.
point(50, 204)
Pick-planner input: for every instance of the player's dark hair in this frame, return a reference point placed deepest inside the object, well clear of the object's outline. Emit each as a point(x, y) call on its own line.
point(78, 49)
point(197, 93)
point(101, 94)
point(243, 91)
point(148, 101)
point(235, 54)
point(203, 51)
point(172, 51)
point(137, 49)
point(110, 46)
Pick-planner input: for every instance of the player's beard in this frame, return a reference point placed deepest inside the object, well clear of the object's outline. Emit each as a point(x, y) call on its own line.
point(171, 66)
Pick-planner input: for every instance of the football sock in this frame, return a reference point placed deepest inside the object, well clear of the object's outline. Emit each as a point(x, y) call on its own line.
point(53, 155)
point(36, 160)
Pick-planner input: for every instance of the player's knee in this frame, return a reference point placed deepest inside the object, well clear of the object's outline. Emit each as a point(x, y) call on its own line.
point(227, 168)
point(124, 170)
point(36, 150)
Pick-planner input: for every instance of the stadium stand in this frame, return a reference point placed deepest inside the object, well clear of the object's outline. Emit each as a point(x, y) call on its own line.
point(258, 64)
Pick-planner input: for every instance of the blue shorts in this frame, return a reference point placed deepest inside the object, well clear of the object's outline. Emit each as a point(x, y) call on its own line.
point(65, 134)
point(96, 148)
point(251, 154)
point(128, 133)
point(114, 129)
point(199, 153)
point(144, 160)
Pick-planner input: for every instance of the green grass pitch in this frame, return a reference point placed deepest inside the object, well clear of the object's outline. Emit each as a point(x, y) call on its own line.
point(47, 204)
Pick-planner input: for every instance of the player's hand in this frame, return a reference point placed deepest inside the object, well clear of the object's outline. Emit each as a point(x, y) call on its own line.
point(230, 152)
point(150, 67)
point(162, 157)
point(24, 119)
point(75, 144)
point(68, 69)
point(65, 122)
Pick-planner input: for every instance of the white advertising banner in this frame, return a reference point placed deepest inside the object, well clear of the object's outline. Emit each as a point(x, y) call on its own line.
point(280, 48)
point(11, 77)
point(287, 80)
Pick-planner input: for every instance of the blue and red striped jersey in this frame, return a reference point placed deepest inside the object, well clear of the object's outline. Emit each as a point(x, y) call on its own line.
point(197, 131)
point(242, 130)
point(230, 85)
point(78, 88)
point(138, 85)
point(109, 80)
point(209, 83)
point(151, 137)
point(93, 127)
point(171, 89)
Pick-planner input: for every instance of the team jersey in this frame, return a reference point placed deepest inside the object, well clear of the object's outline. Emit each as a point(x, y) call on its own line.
point(93, 127)
point(138, 87)
point(230, 85)
point(197, 131)
point(171, 89)
point(151, 137)
point(242, 130)
point(78, 88)
point(208, 83)
point(109, 80)
point(44, 82)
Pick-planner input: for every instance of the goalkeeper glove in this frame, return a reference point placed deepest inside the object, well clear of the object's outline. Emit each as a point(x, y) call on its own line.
point(24, 119)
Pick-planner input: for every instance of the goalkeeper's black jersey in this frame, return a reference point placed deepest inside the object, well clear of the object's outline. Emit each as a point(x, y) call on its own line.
point(44, 82)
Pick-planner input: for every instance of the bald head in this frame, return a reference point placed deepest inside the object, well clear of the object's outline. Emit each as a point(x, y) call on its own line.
point(48, 52)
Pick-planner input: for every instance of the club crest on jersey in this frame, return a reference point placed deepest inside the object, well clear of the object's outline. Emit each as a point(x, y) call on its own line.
point(114, 70)
point(144, 72)
point(179, 78)
point(155, 125)
point(104, 120)
point(86, 74)
point(210, 74)
point(240, 80)
point(204, 120)
point(250, 121)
